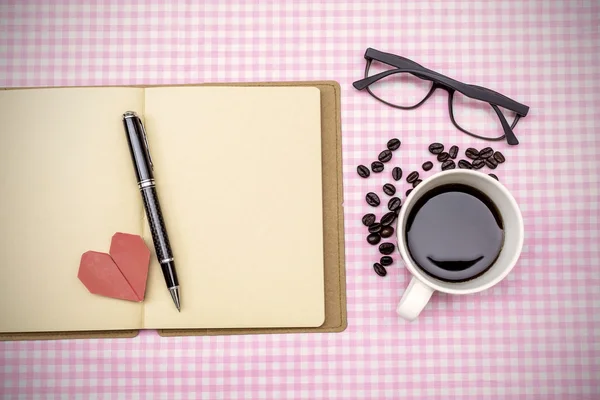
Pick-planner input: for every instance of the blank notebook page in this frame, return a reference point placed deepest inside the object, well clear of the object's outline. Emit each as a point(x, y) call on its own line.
point(67, 186)
point(238, 174)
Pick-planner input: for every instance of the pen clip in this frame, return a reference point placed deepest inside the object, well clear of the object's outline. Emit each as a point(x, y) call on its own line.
point(146, 143)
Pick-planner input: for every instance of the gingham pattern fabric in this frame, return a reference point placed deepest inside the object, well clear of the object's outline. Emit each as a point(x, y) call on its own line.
point(534, 336)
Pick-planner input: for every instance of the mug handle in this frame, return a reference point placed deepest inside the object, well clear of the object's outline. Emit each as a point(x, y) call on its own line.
point(415, 298)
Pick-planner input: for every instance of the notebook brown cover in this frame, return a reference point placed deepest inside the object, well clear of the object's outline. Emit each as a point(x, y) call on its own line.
point(333, 225)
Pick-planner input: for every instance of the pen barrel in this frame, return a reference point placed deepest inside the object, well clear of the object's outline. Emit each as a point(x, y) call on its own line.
point(168, 270)
point(137, 148)
point(159, 234)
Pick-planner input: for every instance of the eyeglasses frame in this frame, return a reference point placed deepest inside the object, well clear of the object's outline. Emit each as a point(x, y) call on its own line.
point(440, 81)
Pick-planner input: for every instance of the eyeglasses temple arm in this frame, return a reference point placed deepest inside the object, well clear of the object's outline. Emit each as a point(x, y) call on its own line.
point(517, 118)
point(510, 135)
point(363, 83)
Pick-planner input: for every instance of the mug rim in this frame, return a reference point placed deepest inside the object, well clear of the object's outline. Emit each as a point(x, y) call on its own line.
point(443, 286)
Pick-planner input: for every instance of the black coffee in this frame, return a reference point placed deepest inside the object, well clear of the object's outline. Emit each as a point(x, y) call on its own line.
point(454, 233)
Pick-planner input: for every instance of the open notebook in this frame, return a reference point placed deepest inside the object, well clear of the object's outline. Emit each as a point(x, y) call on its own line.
point(238, 173)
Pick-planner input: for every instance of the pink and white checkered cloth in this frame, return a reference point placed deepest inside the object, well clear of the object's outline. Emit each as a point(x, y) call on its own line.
point(535, 336)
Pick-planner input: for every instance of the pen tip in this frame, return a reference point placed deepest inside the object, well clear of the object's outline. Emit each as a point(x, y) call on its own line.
point(175, 296)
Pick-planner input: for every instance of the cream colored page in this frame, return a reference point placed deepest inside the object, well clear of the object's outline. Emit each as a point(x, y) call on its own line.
point(238, 174)
point(67, 185)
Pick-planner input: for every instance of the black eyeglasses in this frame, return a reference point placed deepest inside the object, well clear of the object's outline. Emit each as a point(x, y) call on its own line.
point(472, 108)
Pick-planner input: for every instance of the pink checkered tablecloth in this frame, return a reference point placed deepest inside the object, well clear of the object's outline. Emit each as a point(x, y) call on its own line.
point(534, 336)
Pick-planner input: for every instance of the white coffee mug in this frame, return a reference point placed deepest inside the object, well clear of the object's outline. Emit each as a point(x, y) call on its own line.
point(422, 285)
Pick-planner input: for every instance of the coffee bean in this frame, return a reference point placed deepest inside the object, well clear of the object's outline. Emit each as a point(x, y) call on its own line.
point(448, 164)
point(472, 153)
point(386, 260)
point(376, 166)
point(379, 269)
point(427, 165)
point(389, 189)
point(387, 248)
point(386, 231)
point(436, 148)
point(464, 164)
point(375, 227)
point(443, 156)
point(491, 163)
point(385, 156)
point(363, 171)
point(494, 176)
point(486, 152)
point(372, 199)
point(393, 144)
point(368, 219)
point(408, 192)
point(394, 204)
point(413, 176)
point(417, 182)
point(499, 157)
point(388, 218)
point(397, 173)
point(478, 164)
point(374, 238)
point(453, 152)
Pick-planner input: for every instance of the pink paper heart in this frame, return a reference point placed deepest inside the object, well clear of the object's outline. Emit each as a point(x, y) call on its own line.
point(132, 257)
point(122, 274)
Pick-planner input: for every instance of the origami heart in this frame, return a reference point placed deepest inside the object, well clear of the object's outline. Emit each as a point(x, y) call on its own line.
point(122, 274)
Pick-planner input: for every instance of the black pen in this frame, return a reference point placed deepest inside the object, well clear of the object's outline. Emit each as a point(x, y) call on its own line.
point(142, 163)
